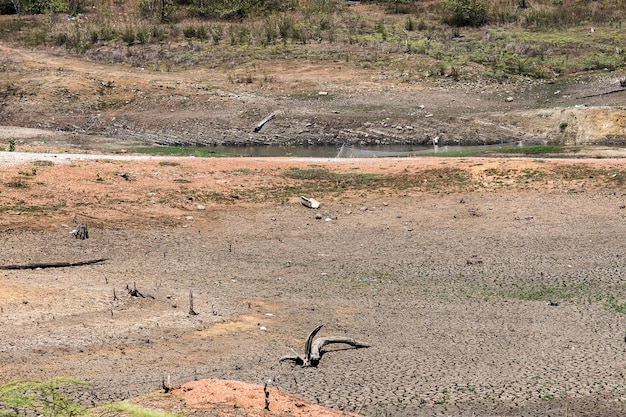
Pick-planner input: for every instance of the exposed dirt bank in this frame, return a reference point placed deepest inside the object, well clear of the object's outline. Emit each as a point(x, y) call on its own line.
point(315, 103)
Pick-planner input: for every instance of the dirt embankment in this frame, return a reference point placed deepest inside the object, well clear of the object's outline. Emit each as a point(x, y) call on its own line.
point(315, 103)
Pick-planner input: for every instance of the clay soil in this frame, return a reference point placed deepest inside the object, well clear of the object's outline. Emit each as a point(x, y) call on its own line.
point(484, 286)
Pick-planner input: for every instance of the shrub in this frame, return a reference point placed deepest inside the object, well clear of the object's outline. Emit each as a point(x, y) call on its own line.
point(189, 32)
point(128, 36)
point(409, 25)
point(465, 12)
point(202, 33)
point(61, 39)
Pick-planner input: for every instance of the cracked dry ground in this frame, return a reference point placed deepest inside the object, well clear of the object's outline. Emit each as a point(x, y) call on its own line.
point(485, 286)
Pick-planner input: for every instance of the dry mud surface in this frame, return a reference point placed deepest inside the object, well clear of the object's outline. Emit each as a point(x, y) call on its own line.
point(484, 286)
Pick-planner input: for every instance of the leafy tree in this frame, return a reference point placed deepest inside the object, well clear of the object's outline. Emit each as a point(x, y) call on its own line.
point(465, 12)
point(17, 5)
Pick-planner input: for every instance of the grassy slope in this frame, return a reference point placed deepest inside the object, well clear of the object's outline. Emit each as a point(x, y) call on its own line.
point(546, 40)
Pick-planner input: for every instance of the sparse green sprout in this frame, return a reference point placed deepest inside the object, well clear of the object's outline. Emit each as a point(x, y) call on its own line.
point(12, 145)
point(563, 126)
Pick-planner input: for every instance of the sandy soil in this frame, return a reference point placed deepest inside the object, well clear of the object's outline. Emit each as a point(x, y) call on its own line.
point(484, 286)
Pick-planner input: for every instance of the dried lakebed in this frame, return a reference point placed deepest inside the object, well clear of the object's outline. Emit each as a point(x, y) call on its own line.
point(481, 303)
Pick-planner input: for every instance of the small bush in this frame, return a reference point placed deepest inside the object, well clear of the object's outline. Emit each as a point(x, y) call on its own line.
point(216, 33)
point(61, 39)
point(409, 25)
point(465, 12)
point(202, 33)
point(37, 37)
point(143, 36)
point(128, 36)
point(17, 182)
point(189, 32)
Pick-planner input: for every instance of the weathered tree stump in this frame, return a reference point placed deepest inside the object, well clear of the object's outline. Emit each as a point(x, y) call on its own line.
point(81, 232)
point(192, 312)
point(313, 349)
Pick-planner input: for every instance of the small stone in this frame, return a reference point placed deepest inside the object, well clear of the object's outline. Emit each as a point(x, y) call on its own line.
point(509, 99)
point(200, 207)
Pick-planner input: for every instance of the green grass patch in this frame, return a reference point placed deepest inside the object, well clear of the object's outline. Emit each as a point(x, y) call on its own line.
point(32, 209)
point(318, 174)
point(48, 398)
point(528, 150)
point(538, 150)
point(132, 410)
point(179, 151)
point(17, 182)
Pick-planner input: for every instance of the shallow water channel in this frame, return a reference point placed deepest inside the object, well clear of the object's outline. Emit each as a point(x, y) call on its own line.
point(332, 151)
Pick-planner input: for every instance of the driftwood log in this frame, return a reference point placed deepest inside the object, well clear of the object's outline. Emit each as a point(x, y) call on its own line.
point(313, 349)
point(134, 292)
point(264, 121)
point(54, 264)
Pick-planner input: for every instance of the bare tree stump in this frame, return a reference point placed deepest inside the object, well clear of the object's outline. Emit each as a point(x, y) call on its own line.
point(313, 349)
point(81, 232)
point(191, 310)
point(267, 397)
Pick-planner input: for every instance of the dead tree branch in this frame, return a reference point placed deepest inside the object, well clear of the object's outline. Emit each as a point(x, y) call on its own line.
point(135, 292)
point(54, 264)
point(262, 122)
point(313, 350)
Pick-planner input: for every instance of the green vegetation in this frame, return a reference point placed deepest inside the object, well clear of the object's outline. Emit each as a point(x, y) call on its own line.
point(48, 399)
point(23, 207)
point(132, 410)
point(12, 145)
point(465, 12)
point(54, 398)
point(544, 150)
point(456, 39)
point(323, 175)
point(17, 182)
point(179, 151)
point(539, 150)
